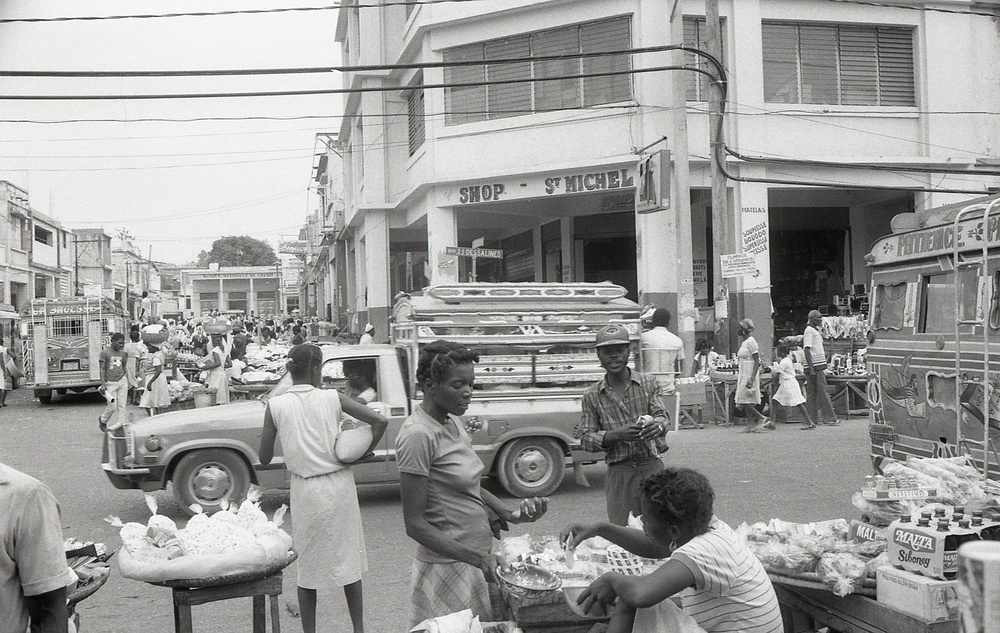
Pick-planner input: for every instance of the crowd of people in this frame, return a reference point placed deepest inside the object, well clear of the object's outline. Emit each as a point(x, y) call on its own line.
point(453, 521)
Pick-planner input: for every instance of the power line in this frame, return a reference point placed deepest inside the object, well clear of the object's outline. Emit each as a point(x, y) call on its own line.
point(201, 14)
point(299, 93)
point(891, 5)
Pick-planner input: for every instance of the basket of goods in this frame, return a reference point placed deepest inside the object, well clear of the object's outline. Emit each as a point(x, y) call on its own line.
point(462, 622)
point(154, 334)
point(217, 325)
point(624, 561)
point(235, 544)
point(526, 581)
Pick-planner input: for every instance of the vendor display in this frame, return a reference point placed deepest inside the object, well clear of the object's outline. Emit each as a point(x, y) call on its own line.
point(237, 540)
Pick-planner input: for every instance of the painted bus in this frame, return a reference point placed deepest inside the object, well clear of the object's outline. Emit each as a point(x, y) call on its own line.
point(62, 339)
point(934, 339)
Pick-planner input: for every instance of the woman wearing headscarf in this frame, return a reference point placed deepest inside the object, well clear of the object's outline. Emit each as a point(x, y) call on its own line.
point(215, 365)
point(748, 379)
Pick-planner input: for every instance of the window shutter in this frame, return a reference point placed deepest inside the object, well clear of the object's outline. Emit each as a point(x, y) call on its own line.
point(818, 64)
point(505, 100)
point(780, 51)
point(895, 67)
point(692, 31)
point(858, 65)
point(415, 117)
point(551, 95)
point(464, 105)
point(608, 35)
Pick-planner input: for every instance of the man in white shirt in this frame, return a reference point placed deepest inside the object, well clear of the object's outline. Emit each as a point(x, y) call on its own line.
point(818, 401)
point(662, 351)
point(368, 338)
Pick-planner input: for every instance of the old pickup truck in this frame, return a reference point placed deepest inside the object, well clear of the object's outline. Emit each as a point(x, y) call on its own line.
point(535, 342)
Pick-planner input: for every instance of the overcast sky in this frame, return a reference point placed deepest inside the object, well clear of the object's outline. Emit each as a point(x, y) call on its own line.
point(174, 186)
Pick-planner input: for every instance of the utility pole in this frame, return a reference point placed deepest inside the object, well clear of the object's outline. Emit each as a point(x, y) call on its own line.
point(721, 230)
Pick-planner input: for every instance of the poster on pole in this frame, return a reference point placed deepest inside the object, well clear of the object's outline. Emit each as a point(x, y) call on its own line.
point(738, 265)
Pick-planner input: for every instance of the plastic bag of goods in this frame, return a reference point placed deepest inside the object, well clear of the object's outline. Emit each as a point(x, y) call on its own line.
point(234, 540)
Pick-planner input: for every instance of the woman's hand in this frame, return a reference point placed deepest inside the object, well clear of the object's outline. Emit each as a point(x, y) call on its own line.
point(600, 591)
point(530, 510)
point(488, 565)
point(577, 533)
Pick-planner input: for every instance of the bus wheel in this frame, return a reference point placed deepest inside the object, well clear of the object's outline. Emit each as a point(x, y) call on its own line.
point(206, 477)
point(531, 466)
point(44, 396)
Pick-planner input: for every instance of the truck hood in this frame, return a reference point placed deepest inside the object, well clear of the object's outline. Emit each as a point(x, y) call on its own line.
point(249, 413)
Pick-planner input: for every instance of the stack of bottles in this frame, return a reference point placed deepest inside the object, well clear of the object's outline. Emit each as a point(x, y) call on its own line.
point(927, 542)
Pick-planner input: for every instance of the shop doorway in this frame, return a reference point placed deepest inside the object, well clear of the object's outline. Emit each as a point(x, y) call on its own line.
point(612, 259)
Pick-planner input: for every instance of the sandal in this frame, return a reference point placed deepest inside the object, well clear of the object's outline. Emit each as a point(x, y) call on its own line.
point(751, 429)
point(807, 427)
point(834, 423)
point(769, 425)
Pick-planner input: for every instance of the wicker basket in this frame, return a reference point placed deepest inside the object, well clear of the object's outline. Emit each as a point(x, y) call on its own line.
point(231, 579)
point(624, 562)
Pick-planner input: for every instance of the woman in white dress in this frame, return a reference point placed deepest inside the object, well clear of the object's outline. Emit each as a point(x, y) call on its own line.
point(215, 365)
point(748, 380)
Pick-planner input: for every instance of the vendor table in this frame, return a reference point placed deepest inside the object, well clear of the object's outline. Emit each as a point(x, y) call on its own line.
point(806, 609)
point(549, 614)
point(725, 399)
point(850, 393)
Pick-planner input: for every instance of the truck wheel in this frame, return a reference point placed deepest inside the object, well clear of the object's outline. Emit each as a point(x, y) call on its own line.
point(44, 396)
point(207, 476)
point(531, 466)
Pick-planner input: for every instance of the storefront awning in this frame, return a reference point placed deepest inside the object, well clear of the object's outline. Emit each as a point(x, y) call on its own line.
point(4, 314)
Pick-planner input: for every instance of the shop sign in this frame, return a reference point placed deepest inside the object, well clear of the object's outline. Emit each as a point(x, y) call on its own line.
point(485, 253)
point(7, 307)
point(562, 184)
point(294, 247)
point(653, 192)
point(939, 240)
point(738, 265)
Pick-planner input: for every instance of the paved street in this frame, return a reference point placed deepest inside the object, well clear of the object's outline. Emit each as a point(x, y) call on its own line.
point(786, 473)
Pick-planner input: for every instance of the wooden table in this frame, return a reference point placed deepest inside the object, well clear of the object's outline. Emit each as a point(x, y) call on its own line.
point(805, 609)
point(848, 388)
point(726, 400)
point(549, 614)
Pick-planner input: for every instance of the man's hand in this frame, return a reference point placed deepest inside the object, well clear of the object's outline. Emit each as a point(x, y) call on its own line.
point(630, 433)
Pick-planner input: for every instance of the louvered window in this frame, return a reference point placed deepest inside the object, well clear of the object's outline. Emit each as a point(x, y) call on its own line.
point(695, 36)
point(415, 116)
point(504, 96)
point(838, 64)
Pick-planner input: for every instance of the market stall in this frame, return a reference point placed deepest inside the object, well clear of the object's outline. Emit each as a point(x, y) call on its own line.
point(893, 569)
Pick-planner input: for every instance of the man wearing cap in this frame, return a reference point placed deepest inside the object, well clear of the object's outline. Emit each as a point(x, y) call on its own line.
point(623, 415)
point(368, 338)
point(818, 401)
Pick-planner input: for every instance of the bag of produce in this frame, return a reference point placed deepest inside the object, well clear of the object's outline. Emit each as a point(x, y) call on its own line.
point(842, 573)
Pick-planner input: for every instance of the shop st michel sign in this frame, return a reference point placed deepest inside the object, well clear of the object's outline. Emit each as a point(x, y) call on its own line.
point(540, 186)
point(934, 241)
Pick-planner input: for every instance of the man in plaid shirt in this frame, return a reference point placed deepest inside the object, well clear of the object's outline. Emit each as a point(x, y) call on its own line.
point(623, 415)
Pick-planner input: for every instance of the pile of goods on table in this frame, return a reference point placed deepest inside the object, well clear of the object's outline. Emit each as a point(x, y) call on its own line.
point(264, 365)
point(89, 561)
point(463, 622)
point(183, 391)
point(238, 539)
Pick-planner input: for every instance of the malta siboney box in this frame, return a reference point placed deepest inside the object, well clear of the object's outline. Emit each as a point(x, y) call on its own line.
point(923, 597)
point(916, 548)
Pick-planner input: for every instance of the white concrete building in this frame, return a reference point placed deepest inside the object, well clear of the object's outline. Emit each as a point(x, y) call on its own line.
point(547, 171)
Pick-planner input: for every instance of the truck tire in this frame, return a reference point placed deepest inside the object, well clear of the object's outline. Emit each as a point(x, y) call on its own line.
point(209, 475)
point(531, 466)
point(44, 396)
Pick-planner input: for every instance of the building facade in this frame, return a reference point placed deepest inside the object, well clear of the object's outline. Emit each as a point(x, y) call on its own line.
point(93, 270)
point(839, 117)
point(252, 290)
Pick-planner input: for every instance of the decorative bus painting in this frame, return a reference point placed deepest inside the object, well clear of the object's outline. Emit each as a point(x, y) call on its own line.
point(62, 340)
point(934, 340)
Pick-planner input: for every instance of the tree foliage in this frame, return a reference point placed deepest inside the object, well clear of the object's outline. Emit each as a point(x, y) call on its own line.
point(241, 250)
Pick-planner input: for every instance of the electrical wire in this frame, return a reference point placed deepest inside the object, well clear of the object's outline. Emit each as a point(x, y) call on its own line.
point(201, 14)
point(891, 5)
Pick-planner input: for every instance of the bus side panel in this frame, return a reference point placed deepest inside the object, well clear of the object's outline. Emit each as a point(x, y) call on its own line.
point(915, 409)
point(40, 358)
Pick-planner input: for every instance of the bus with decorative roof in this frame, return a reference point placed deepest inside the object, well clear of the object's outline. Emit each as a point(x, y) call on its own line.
point(62, 339)
point(934, 339)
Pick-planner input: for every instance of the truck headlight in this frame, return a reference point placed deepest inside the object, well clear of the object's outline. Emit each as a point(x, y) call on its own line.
point(152, 444)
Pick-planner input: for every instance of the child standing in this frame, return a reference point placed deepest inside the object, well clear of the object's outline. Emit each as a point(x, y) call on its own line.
point(789, 393)
point(326, 517)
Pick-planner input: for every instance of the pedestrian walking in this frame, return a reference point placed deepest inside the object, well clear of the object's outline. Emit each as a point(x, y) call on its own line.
point(326, 516)
point(789, 394)
point(113, 363)
point(623, 415)
point(445, 510)
point(216, 364)
point(156, 395)
point(748, 379)
point(134, 351)
point(817, 397)
point(6, 383)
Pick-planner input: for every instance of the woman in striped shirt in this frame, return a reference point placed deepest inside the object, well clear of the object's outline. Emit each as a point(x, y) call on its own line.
point(726, 587)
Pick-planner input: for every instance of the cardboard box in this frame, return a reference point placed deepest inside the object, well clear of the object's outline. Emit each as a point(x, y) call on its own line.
point(917, 595)
point(917, 549)
point(861, 532)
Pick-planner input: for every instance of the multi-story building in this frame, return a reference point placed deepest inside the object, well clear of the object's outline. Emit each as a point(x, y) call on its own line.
point(93, 270)
point(252, 290)
point(841, 115)
point(133, 275)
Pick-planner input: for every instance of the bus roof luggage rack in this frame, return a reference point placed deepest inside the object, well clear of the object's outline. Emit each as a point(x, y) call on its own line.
point(457, 293)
